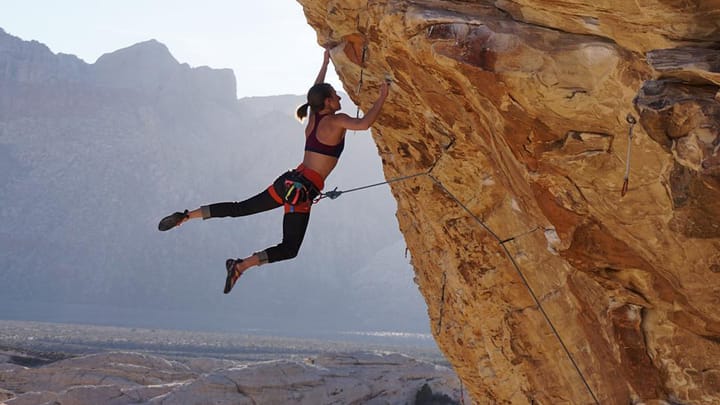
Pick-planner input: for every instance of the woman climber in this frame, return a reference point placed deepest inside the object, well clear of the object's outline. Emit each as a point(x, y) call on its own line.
point(297, 188)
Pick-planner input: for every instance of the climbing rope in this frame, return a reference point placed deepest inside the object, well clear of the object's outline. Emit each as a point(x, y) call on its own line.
point(442, 303)
point(335, 193)
point(362, 73)
point(631, 120)
point(364, 52)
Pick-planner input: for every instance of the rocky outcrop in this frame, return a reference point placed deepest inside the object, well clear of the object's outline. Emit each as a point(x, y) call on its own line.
point(131, 378)
point(33, 62)
point(565, 223)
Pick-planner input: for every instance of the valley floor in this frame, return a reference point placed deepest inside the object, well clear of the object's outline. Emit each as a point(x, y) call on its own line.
point(82, 364)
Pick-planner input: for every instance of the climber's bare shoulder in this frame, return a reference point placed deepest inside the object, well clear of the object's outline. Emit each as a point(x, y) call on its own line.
point(343, 121)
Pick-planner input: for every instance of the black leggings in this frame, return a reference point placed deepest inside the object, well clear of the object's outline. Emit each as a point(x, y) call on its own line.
point(294, 223)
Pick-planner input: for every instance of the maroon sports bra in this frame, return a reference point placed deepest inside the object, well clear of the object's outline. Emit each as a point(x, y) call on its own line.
point(312, 144)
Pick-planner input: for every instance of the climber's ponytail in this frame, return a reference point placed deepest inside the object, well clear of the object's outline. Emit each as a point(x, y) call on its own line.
point(302, 111)
point(316, 99)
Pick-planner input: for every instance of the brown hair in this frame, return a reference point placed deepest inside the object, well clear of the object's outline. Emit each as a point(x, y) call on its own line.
point(315, 99)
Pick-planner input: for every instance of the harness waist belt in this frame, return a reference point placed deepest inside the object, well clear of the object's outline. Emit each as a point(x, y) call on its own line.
point(315, 178)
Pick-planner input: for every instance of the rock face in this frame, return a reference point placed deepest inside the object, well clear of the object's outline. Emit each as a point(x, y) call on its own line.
point(132, 378)
point(548, 278)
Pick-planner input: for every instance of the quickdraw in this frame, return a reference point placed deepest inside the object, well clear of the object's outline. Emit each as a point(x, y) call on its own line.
point(626, 180)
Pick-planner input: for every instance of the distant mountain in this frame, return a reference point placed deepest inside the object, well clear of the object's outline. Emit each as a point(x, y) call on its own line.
point(93, 155)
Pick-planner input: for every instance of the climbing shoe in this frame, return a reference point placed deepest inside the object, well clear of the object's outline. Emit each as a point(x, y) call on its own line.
point(232, 274)
point(172, 220)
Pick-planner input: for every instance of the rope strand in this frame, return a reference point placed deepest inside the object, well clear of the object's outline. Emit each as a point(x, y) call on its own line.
point(626, 180)
point(335, 193)
point(360, 82)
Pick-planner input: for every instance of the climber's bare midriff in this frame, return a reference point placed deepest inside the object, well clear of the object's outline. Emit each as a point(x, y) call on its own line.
point(320, 163)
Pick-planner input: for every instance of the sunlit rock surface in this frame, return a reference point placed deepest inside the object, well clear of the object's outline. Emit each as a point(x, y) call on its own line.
point(548, 281)
point(132, 378)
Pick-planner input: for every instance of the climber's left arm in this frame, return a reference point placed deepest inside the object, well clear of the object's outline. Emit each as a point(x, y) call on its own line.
point(323, 69)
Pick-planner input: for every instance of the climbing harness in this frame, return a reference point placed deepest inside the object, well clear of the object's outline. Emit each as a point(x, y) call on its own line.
point(295, 192)
point(293, 188)
point(631, 120)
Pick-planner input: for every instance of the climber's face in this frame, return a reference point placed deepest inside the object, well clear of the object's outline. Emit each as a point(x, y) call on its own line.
point(333, 102)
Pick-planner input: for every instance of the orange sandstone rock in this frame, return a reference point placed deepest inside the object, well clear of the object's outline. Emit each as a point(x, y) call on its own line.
point(543, 283)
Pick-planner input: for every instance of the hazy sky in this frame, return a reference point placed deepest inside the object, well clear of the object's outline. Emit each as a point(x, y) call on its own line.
point(267, 43)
